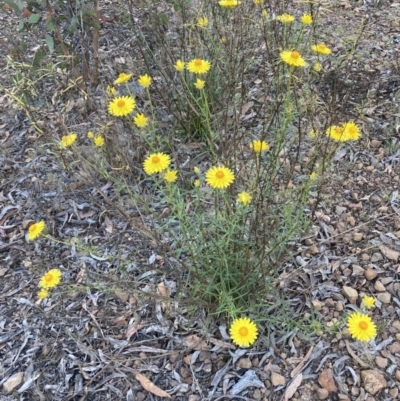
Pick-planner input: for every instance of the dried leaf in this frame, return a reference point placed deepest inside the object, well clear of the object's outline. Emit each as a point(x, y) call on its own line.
point(149, 386)
point(389, 253)
point(292, 388)
point(221, 344)
point(109, 227)
point(297, 369)
point(196, 343)
point(162, 289)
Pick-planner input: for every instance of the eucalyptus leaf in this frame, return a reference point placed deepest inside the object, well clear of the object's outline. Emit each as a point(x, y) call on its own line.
point(34, 18)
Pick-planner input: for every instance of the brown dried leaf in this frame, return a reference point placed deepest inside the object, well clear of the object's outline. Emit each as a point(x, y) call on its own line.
point(162, 289)
point(196, 343)
point(221, 344)
point(149, 386)
point(297, 369)
point(109, 227)
point(389, 253)
point(293, 386)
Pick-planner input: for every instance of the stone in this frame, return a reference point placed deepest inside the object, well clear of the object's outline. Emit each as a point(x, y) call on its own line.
point(394, 392)
point(317, 304)
point(339, 306)
point(375, 143)
point(397, 375)
point(373, 381)
point(394, 348)
point(140, 396)
point(194, 397)
point(376, 257)
point(13, 382)
point(244, 363)
point(357, 237)
point(344, 397)
point(326, 380)
point(322, 393)
point(384, 297)
point(257, 394)
point(386, 280)
point(370, 274)
point(381, 362)
point(379, 286)
point(350, 293)
point(277, 379)
point(396, 324)
point(358, 270)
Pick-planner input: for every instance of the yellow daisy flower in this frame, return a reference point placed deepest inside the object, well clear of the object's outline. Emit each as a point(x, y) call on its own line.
point(144, 80)
point(35, 230)
point(202, 22)
point(122, 78)
point(264, 13)
point(199, 84)
point(50, 279)
point(361, 327)
point(351, 131)
point(156, 163)
point(171, 176)
point(368, 302)
point(293, 58)
point(322, 49)
point(229, 3)
point(43, 293)
point(197, 183)
point(121, 106)
point(179, 65)
point(313, 175)
point(219, 177)
point(198, 66)
point(90, 135)
point(99, 141)
point(259, 146)
point(285, 18)
point(244, 198)
point(317, 67)
point(110, 90)
point(336, 133)
point(140, 120)
point(68, 140)
point(306, 19)
point(243, 332)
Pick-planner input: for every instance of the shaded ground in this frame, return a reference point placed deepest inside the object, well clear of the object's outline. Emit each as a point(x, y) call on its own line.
point(89, 342)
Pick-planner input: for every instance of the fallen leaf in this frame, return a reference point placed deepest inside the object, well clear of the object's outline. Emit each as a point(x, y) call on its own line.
point(297, 369)
point(221, 344)
point(162, 289)
point(196, 343)
point(149, 386)
point(389, 253)
point(293, 386)
point(109, 227)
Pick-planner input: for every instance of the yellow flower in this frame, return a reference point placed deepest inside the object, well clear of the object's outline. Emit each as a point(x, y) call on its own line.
point(99, 141)
point(219, 177)
point(368, 302)
point(197, 183)
point(313, 133)
point(121, 106)
point(140, 120)
point(264, 13)
point(35, 230)
point(361, 327)
point(244, 197)
point(336, 133)
point(90, 134)
point(259, 146)
point(293, 58)
point(223, 40)
point(179, 65)
point(196, 170)
point(351, 131)
point(229, 3)
point(317, 66)
point(199, 84)
point(198, 66)
point(321, 48)
point(144, 80)
point(171, 176)
point(43, 293)
point(243, 332)
point(313, 175)
point(122, 78)
point(50, 279)
point(202, 22)
point(110, 90)
point(285, 18)
point(306, 19)
point(68, 140)
point(258, 2)
point(156, 163)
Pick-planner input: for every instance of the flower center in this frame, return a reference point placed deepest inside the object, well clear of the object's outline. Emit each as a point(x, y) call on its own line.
point(321, 47)
point(155, 159)
point(48, 277)
point(197, 62)
point(295, 54)
point(121, 103)
point(243, 331)
point(220, 174)
point(363, 325)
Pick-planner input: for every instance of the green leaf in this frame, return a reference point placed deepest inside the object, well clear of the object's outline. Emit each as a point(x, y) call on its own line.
point(13, 5)
point(50, 42)
point(34, 18)
point(36, 60)
point(21, 25)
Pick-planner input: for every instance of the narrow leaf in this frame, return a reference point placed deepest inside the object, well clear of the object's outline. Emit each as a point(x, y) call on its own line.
point(34, 18)
point(149, 386)
point(50, 42)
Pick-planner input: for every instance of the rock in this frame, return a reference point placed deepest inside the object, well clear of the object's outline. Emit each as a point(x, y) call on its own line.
point(381, 362)
point(370, 274)
point(344, 397)
point(358, 270)
point(398, 336)
point(398, 375)
point(140, 396)
point(394, 348)
point(339, 306)
point(326, 380)
point(379, 286)
point(257, 394)
point(396, 324)
point(317, 304)
point(244, 363)
point(357, 237)
point(322, 393)
point(194, 397)
point(373, 381)
point(277, 379)
point(386, 280)
point(376, 257)
point(375, 143)
point(350, 293)
point(384, 297)
point(394, 392)
point(13, 382)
